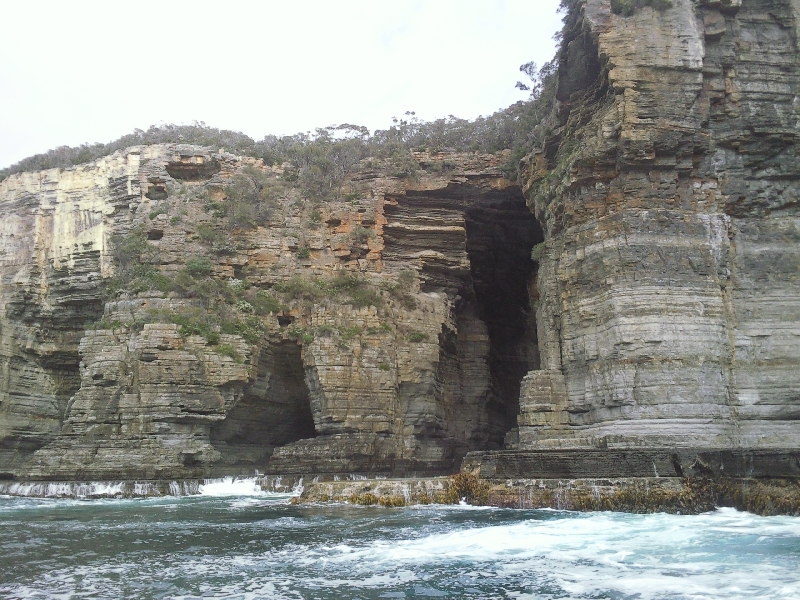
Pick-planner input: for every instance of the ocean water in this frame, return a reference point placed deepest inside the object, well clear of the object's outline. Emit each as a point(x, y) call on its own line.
point(235, 541)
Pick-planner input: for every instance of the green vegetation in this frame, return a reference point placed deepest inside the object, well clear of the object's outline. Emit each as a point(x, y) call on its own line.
point(208, 234)
point(300, 334)
point(384, 367)
point(221, 242)
point(348, 333)
point(361, 235)
point(415, 337)
point(198, 267)
point(627, 7)
point(401, 290)
point(230, 307)
point(194, 321)
point(320, 162)
point(265, 303)
point(250, 328)
point(347, 287)
point(228, 350)
point(314, 219)
point(135, 271)
point(250, 198)
point(538, 251)
point(325, 331)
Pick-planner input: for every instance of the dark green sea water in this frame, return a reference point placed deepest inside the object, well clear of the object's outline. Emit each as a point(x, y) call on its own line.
point(260, 546)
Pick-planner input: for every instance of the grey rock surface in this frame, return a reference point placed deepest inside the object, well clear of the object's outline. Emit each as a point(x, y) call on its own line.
point(669, 284)
point(659, 311)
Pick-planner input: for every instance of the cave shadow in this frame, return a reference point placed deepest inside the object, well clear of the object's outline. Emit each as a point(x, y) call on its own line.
point(500, 239)
point(273, 411)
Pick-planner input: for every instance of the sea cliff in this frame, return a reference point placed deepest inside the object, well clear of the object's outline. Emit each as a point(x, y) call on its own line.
point(179, 311)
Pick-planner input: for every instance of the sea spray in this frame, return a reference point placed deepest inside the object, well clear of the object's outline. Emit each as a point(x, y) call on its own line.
point(222, 486)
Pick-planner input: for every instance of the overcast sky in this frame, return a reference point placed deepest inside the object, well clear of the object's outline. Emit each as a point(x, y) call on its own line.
point(79, 71)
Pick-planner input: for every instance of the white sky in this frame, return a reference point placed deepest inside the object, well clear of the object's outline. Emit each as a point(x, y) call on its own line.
point(80, 71)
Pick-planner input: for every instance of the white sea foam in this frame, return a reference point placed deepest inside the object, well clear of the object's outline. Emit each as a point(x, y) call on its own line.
point(654, 556)
point(338, 552)
point(230, 486)
point(100, 489)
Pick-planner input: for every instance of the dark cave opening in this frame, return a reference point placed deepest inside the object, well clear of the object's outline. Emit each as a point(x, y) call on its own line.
point(273, 411)
point(490, 343)
point(500, 237)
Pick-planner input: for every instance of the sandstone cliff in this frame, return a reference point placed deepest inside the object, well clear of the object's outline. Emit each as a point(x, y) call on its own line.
point(383, 330)
point(178, 311)
point(669, 192)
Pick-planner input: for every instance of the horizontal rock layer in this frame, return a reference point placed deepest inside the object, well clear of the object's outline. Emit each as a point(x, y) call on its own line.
point(667, 312)
point(423, 369)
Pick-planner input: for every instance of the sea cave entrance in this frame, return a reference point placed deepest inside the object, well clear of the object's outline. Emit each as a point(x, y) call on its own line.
point(500, 238)
point(471, 241)
point(273, 411)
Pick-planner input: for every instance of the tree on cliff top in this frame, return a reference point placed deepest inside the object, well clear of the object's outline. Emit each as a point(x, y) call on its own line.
point(325, 158)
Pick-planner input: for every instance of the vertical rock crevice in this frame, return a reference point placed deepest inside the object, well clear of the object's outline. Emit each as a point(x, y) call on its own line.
point(499, 244)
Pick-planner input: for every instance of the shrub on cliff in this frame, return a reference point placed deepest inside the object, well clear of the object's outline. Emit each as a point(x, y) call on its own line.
point(627, 7)
point(250, 328)
point(265, 303)
point(403, 287)
point(361, 235)
point(198, 267)
point(249, 199)
point(230, 351)
point(322, 161)
point(349, 288)
point(131, 255)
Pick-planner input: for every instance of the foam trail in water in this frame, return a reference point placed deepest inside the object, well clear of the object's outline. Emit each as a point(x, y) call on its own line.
point(656, 556)
point(229, 486)
point(97, 489)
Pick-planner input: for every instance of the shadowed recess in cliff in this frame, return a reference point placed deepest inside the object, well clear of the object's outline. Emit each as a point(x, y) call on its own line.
point(272, 411)
point(473, 242)
point(500, 238)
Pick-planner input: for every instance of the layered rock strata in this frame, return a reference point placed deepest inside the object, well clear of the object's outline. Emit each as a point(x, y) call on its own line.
point(645, 298)
point(668, 288)
point(423, 368)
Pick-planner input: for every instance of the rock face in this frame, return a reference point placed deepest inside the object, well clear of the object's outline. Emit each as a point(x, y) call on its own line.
point(645, 295)
point(53, 239)
point(668, 312)
point(425, 367)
